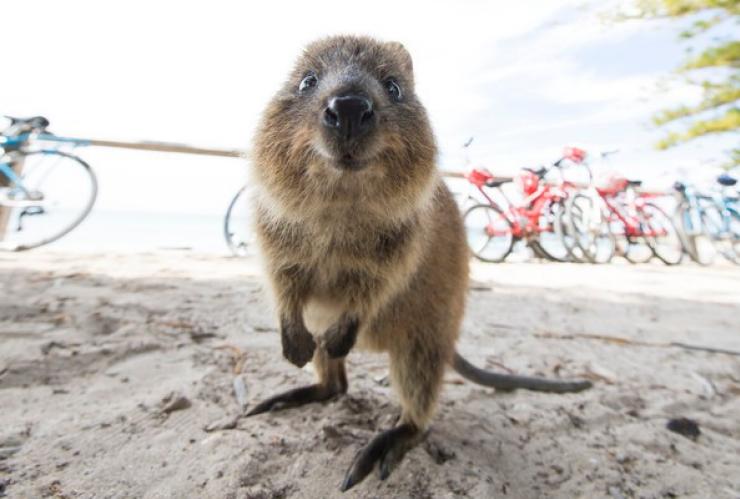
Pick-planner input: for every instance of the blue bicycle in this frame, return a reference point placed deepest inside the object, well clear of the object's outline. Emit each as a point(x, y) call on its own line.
point(44, 192)
point(710, 223)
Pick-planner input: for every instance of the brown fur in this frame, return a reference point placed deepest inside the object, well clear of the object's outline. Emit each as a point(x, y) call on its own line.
point(385, 243)
point(374, 254)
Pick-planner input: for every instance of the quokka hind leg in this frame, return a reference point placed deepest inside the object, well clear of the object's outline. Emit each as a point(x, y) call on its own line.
point(332, 381)
point(417, 373)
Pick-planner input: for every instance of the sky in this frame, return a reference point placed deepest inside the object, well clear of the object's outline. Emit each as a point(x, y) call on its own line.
point(524, 79)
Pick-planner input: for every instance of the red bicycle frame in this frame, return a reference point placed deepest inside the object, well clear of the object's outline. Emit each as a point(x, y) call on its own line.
point(525, 217)
point(627, 212)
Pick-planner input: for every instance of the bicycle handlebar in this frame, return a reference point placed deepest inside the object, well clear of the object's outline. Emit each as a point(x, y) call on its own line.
point(498, 181)
point(31, 124)
point(540, 172)
point(559, 165)
point(604, 154)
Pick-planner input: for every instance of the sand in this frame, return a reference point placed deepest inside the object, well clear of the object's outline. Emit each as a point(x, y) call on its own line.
point(118, 376)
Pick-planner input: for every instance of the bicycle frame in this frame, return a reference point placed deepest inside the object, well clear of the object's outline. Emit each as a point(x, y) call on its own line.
point(628, 216)
point(13, 143)
point(524, 221)
point(7, 170)
point(727, 208)
point(697, 202)
point(692, 216)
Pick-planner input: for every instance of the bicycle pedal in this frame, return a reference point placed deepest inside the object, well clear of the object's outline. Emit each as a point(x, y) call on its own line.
point(32, 210)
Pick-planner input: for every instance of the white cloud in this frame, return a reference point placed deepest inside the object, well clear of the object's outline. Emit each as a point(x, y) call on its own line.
point(201, 72)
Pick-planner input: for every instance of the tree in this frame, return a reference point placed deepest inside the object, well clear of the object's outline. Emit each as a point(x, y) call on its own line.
point(716, 69)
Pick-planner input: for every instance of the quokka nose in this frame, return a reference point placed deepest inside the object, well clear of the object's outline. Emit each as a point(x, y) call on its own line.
point(349, 116)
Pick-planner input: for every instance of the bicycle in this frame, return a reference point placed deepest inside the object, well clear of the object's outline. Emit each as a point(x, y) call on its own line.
point(641, 228)
point(710, 223)
point(44, 192)
point(586, 230)
point(491, 230)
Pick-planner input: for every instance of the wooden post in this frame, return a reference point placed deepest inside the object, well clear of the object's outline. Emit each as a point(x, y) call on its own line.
point(17, 159)
point(451, 174)
point(168, 147)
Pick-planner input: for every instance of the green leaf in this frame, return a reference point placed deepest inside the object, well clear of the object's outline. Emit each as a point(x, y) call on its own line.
point(715, 95)
point(728, 122)
point(727, 54)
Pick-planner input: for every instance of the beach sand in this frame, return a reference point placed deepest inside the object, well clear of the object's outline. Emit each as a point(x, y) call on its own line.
point(118, 376)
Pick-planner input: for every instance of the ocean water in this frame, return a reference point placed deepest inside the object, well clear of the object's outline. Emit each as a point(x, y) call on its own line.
point(136, 232)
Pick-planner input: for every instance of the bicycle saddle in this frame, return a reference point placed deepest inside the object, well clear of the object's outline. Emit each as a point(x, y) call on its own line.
point(679, 186)
point(34, 122)
point(726, 180)
point(540, 172)
point(498, 182)
point(634, 183)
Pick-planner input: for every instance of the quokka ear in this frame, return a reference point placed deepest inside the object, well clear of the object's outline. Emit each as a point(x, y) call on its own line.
point(403, 55)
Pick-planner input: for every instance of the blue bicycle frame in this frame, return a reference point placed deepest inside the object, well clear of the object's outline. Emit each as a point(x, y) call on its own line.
point(692, 216)
point(728, 208)
point(15, 142)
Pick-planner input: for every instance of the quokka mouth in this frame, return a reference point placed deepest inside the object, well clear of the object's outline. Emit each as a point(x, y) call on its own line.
point(350, 162)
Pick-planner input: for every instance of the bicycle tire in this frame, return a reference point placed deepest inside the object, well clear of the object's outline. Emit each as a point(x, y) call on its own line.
point(735, 234)
point(575, 253)
point(537, 251)
point(714, 229)
point(474, 228)
point(659, 250)
point(632, 248)
point(237, 249)
point(556, 252)
point(631, 243)
point(87, 208)
point(691, 240)
point(588, 241)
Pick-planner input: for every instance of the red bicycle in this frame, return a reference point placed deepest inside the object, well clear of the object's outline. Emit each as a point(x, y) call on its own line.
point(639, 227)
point(492, 229)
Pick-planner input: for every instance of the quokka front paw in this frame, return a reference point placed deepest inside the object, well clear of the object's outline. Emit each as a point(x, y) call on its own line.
point(298, 343)
point(340, 338)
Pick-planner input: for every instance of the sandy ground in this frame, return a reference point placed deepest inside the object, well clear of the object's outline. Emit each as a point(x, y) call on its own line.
point(118, 374)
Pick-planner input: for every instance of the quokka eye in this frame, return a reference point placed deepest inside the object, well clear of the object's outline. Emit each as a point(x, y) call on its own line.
point(308, 82)
point(394, 89)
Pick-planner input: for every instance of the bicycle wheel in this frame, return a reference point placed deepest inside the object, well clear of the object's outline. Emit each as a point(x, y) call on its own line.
point(537, 251)
point(633, 248)
point(58, 191)
point(569, 239)
point(661, 234)
point(489, 234)
point(590, 229)
point(735, 234)
point(713, 225)
point(237, 224)
point(549, 241)
point(696, 240)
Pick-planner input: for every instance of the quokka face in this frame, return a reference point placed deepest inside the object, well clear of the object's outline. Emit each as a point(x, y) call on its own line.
point(347, 121)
